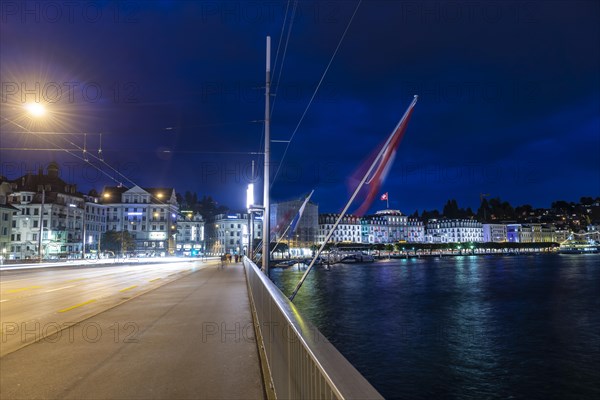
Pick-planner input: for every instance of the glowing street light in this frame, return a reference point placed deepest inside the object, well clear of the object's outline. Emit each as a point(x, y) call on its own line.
point(35, 109)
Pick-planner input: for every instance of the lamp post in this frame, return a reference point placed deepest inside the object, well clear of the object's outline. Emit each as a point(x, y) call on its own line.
point(83, 230)
point(36, 110)
point(40, 252)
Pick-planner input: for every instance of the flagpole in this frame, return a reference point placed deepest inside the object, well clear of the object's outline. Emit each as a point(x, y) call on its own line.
point(360, 185)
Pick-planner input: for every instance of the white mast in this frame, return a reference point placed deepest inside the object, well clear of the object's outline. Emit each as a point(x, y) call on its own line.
point(267, 183)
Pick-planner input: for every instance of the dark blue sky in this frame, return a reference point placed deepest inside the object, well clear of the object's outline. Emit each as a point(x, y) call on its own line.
point(509, 95)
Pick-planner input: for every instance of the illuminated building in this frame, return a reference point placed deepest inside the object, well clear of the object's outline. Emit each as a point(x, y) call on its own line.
point(148, 214)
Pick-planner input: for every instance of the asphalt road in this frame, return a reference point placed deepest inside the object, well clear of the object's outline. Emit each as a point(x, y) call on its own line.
point(191, 338)
point(37, 302)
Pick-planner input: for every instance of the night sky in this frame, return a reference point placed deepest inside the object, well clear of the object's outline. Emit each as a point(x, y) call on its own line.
point(509, 96)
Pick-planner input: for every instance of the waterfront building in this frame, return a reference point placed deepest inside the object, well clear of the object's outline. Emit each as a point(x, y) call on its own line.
point(415, 230)
point(348, 230)
point(374, 229)
point(546, 234)
point(454, 231)
point(519, 233)
point(95, 224)
point(593, 231)
point(6, 218)
point(530, 233)
point(189, 240)
point(50, 207)
point(307, 228)
point(148, 214)
point(231, 234)
point(560, 235)
point(396, 224)
point(494, 233)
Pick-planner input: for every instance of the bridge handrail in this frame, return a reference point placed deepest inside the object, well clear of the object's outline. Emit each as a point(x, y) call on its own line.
point(301, 362)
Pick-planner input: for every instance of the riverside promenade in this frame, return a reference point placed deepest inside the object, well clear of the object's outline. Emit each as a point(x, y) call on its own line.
point(192, 338)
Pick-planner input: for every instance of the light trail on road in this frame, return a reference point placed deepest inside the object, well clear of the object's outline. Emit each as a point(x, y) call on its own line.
point(36, 302)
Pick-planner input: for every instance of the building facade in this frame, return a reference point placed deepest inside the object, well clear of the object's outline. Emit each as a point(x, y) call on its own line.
point(190, 234)
point(148, 214)
point(231, 234)
point(348, 230)
point(306, 230)
point(49, 213)
point(454, 231)
point(494, 233)
point(415, 231)
point(95, 224)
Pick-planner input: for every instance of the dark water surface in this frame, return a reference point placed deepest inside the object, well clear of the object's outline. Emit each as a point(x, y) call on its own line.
point(469, 327)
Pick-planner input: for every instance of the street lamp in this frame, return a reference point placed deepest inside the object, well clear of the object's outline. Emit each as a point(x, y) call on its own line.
point(35, 109)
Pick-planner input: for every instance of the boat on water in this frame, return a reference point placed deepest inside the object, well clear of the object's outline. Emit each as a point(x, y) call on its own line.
point(579, 247)
point(357, 258)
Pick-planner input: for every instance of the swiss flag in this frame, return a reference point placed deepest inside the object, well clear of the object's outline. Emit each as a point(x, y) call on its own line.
point(384, 196)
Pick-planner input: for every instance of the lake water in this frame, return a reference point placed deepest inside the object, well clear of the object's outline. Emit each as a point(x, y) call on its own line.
point(468, 327)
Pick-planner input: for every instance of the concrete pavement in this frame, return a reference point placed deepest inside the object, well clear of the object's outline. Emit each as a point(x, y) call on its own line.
point(189, 339)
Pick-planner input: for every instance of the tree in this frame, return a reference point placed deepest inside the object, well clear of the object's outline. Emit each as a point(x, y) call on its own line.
point(501, 210)
point(561, 205)
point(433, 214)
point(451, 209)
point(523, 211)
point(484, 213)
point(468, 213)
point(117, 241)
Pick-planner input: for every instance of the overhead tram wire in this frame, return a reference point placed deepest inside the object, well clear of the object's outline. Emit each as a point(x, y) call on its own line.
point(287, 40)
point(82, 158)
point(252, 153)
point(58, 147)
point(281, 35)
point(315, 92)
point(78, 148)
point(262, 137)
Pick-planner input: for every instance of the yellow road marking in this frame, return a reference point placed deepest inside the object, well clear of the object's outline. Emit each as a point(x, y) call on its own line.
point(22, 289)
point(75, 280)
point(77, 305)
point(155, 279)
point(128, 288)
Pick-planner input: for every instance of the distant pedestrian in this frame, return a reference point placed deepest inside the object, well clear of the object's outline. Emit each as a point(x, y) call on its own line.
point(237, 258)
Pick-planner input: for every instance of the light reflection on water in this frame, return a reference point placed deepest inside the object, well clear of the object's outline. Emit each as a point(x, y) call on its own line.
point(463, 327)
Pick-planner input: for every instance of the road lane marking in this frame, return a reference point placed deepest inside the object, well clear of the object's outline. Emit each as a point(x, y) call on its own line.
point(128, 288)
point(60, 288)
point(22, 289)
point(2, 301)
point(155, 279)
point(75, 280)
point(77, 305)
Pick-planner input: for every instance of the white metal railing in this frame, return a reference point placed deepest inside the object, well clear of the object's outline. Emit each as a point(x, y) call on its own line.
point(301, 362)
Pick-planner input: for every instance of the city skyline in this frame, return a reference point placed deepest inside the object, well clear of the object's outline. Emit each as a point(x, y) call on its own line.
point(508, 97)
